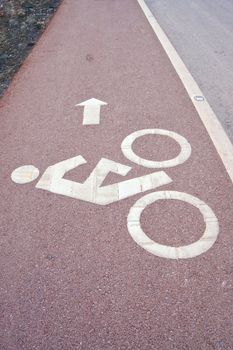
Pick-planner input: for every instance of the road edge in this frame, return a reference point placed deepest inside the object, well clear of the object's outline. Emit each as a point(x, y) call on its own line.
point(215, 130)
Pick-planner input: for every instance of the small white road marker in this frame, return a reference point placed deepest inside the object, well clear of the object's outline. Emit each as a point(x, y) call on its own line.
point(91, 113)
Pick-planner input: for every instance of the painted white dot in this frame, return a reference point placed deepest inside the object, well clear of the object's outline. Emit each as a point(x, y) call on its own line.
point(183, 252)
point(184, 154)
point(25, 174)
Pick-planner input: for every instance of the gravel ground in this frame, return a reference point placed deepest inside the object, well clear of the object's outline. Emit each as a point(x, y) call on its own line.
point(21, 23)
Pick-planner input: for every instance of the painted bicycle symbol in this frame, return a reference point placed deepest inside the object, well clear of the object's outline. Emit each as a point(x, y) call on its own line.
point(93, 191)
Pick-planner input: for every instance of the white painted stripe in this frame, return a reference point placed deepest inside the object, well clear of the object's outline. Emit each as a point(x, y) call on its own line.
point(215, 130)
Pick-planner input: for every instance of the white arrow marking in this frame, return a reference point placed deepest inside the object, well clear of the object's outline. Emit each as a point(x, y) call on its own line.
point(92, 190)
point(91, 113)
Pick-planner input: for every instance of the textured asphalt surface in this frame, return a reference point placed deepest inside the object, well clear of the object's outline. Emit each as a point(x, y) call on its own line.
point(71, 275)
point(202, 33)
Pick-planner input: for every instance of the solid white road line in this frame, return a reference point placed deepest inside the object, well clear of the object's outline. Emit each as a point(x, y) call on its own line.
point(215, 130)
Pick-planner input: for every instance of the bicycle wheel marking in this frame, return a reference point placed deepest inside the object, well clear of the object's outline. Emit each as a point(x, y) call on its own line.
point(183, 252)
point(185, 152)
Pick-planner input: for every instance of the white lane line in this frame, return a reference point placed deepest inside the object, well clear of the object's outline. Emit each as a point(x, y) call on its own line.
point(215, 130)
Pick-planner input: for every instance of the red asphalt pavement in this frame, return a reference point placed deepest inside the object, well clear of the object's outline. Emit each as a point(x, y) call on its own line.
point(72, 277)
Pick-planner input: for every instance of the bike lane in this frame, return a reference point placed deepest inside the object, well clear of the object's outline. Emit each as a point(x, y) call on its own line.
point(72, 276)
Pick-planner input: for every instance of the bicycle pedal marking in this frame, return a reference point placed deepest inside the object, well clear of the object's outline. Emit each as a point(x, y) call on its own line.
point(183, 252)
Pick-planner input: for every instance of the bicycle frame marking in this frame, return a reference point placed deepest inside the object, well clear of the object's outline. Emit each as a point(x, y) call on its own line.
point(91, 190)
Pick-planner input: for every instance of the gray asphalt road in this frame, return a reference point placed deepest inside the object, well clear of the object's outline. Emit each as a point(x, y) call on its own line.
point(202, 33)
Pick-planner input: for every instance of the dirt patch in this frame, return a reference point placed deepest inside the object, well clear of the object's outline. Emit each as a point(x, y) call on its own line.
point(21, 24)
